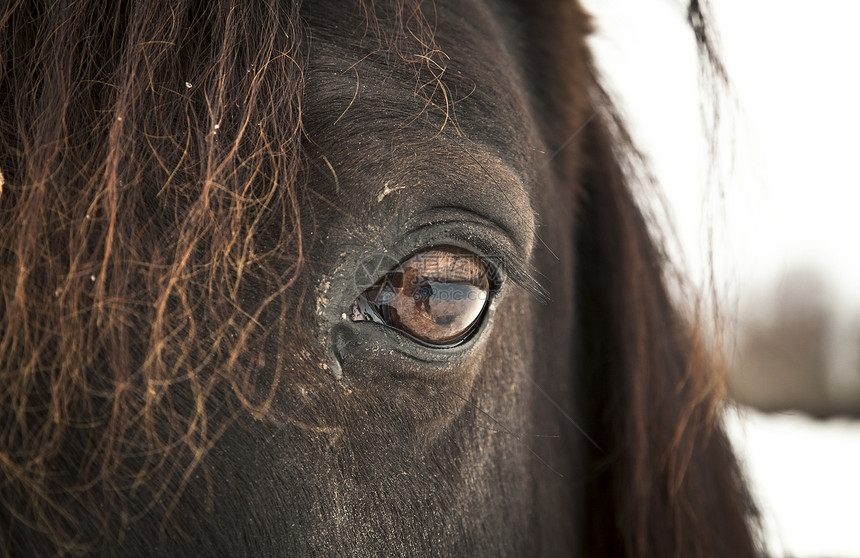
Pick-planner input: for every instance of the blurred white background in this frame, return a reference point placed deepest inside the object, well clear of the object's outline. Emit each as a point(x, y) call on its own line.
point(787, 205)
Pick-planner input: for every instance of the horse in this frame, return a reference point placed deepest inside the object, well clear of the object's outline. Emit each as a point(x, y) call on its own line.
point(340, 278)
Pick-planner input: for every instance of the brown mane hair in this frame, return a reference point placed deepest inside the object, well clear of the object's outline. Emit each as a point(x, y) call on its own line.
point(151, 205)
point(144, 165)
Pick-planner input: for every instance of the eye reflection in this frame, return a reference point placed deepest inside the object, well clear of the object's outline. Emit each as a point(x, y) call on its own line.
point(436, 296)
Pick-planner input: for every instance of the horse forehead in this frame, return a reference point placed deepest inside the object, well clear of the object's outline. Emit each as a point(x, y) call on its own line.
point(444, 121)
point(463, 76)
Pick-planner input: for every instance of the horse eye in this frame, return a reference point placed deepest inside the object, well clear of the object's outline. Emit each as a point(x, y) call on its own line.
point(436, 296)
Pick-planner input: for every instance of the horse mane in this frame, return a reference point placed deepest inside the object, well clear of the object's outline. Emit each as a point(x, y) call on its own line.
point(151, 187)
point(152, 183)
point(655, 390)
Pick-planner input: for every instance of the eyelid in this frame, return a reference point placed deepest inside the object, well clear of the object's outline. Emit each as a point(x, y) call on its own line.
point(498, 246)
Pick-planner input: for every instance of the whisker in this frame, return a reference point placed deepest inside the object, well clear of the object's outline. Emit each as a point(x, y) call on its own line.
point(568, 140)
point(506, 430)
point(500, 431)
point(564, 413)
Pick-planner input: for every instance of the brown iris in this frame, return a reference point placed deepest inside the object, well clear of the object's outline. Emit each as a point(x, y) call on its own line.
point(436, 296)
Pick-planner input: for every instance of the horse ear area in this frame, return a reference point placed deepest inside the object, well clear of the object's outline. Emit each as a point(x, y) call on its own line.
point(664, 481)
